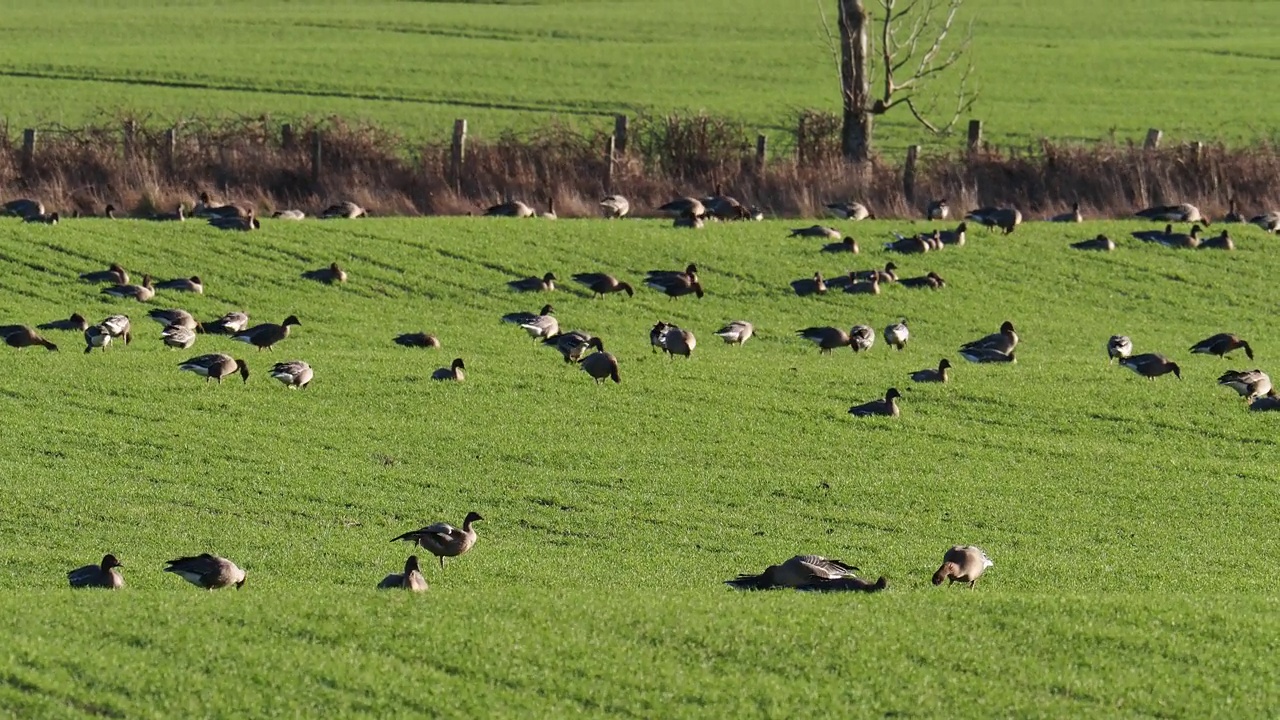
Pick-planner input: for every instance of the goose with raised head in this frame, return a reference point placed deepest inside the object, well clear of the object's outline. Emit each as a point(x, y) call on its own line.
point(23, 208)
point(571, 345)
point(103, 575)
point(847, 245)
point(1180, 241)
point(897, 334)
point(1222, 242)
point(454, 372)
point(1232, 216)
point(292, 373)
point(115, 275)
point(912, 245)
point(615, 206)
point(328, 275)
point(542, 326)
point(76, 322)
point(932, 280)
point(192, 284)
point(241, 224)
point(521, 317)
point(1073, 216)
point(178, 215)
point(266, 335)
point(444, 540)
point(937, 210)
point(1269, 222)
point(1119, 347)
point(737, 332)
point(1221, 344)
point(546, 283)
point(141, 293)
point(1152, 365)
point(1004, 341)
point(411, 579)
point(512, 209)
point(1183, 212)
point(675, 286)
point(827, 338)
point(929, 375)
point(886, 406)
point(1007, 219)
point(22, 336)
point(870, 286)
point(418, 339)
point(850, 211)
point(343, 210)
point(1250, 384)
point(1101, 243)
point(601, 284)
point(600, 365)
point(215, 366)
point(810, 286)
point(962, 563)
point(207, 571)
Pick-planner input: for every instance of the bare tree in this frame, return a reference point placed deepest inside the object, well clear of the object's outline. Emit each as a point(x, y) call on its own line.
point(916, 47)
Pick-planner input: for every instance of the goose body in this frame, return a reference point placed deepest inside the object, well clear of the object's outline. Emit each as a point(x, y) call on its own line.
point(694, 222)
point(546, 283)
point(206, 209)
point(43, 219)
point(886, 406)
point(512, 209)
point(908, 245)
point(266, 335)
point(292, 373)
point(932, 281)
point(600, 365)
point(343, 210)
point(542, 326)
point(289, 215)
point(684, 207)
point(1004, 341)
point(1232, 216)
point(21, 336)
point(1102, 243)
point(937, 210)
point(1183, 212)
point(115, 275)
point(454, 372)
point(955, 237)
point(615, 206)
point(328, 275)
point(192, 284)
point(1221, 344)
point(721, 206)
point(826, 338)
point(96, 336)
point(75, 322)
point(817, 231)
point(1152, 365)
point(796, 572)
point(215, 366)
point(962, 563)
point(678, 341)
point(1189, 241)
point(522, 317)
point(229, 324)
point(1119, 347)
point(737, 332)
point(1269, 222)
point(1222, 242)
point(118, 326)
point(141, 293)
point(897, 335)
point(861, 338)
point(241, 224)
point(175, 317)
point(675, 286)
point(1250, 384)
point(810, 286)
point(601, 284)
point(987, 355)
point(179, 337)
point(930, 375)
point(207, 571)
point(418, 339)
point(992, 217)
point(572, 345)
point(656, 334)
point(850, 211)
point(444, 540)
point(104, 575)
point(23, 208)
point(847, 245)
point(411, 579)
point(1069, 217)
point(178, 215)
point(1156, 236)
point(870, 286)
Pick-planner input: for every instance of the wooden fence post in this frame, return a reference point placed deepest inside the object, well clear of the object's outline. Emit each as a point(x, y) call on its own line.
point(170, 148)
point(130, 135)
point(975, 135)
point(457, 153)
point(287, 141)
point(317, 145)
point(610, 146)
point(762, 146)
point(28, 150)
point(909, 174)
point(1153, 139)
point(800, 128)
point(620, 133)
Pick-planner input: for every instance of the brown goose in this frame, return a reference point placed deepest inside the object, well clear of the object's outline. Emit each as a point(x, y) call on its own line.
point(962, 563)
point(1232, 216)
point(909, 245)
point(932, 281)
point(444, 540)
point(601, 284)
point(887, 406)
point(1004, 341)
point(229, 324)
point(887, 275)
point(1101, 243)
point(215, 366)
point(937, 210)
point(207, 571)
point(267, 334)
point(523, 317)
point(1173, 213)
point(816, 231)
point(1222, 242)
point(241, 224)
point(115, 275)
point(826, 338)
point(1190, 241)
point(546, 283)
point(684, 207)
point(293, 373)
point(689, 273)
point(572, 345)
point(929, 375)
point(992, 217)
point(1221, 344)
point(453, 372)
point(600, 364)
point(615, 206)
point(175, 317)
point(1250, 384)
point(75, 322)
point(178, 337)
point(141, 293)
point(514, 209)
point(850, 211)
point(289, 215)
point(542, 326)
point(690, 221)
point(418, 339)
point(678, 341)
point(870, 286)
point(955, 237)
point(737, 332)
point(411, 579)
point(1069, 217)
point(675, 286)
point(205, 209)
point(799, 571)
point(343, 210)
point(1152, 365)
point(1269, 222)
point(23, 207)
point(810, 286)
point(330, 275)
point(1155, 236)
point(96, 336)
point(106, 575)
point(22, 336)
point(847, 245)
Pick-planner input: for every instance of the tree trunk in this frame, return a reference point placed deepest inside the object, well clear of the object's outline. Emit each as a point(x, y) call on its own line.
point(854, 81)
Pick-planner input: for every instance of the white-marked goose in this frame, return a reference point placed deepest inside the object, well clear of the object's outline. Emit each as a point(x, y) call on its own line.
point(207, 571)
point(215, 366)
point(292, 373)
point(736, 332)
point(444, 540)
point(962, 563)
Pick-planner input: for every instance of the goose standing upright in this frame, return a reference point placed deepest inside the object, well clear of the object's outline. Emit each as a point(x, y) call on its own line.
point(444, 540)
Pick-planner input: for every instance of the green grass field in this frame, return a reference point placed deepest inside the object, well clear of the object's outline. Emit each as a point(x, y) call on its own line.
point(1132, 523)
point(1077, 70)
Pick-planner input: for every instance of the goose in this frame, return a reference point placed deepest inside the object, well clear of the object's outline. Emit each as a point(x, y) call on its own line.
point(615, 206)
point(453, 372)
point(799, 571)
point(105, 575)
point(678, 341)
point(141, 293)
point(991, 217)
point(175, 317)
point(690, 274)
point(49, 219)
point(897, 335)
point(1004, 341)
point(987, 355)
point(962, 563)
point(826, 338)
point(887, 275)
point(722, 206)
point(289, 215)
point(866, 287)
point(207, 571)
point(656, 334)
point(96, 336)
point(205, 209)
point(932, 281)
point(600, 365)
point(547, 283)
point(176, 216)
point(330, 275)
point(572, 345)
point(1250, 384)
point(887, 406)
point(1101, 243)
point(343, 210)
point(550, 214)
point(267, 334)
point(115, 275)
point(229, 324)
point(119, 326)
point(1155, 236)
point(675, 285)
point(817, 231)
point(192, 284)
point(846, 245)
point(542, 326)
point(520, 318)
point(75, 322)
point(810, 286)
point(684, 207)
point(23, 207)
point(293, 373)
point(737, 332)
point(1267, 221)
point(601, 284)
point(850, 211)
point(937, 210)
point(1232, 216)
point(954, 237)
point(1069, 217)
point(1151, 365)
point(411, 579)
point(1266, 403)
point(513, 209)
point(109, 212)
point(1173, 213)
point(908, 245)
point(215, 366)
point(930, 375)
point(1119, 347)
point(444, 540)
point(1221, 344)
point(695, 222)
point(179, 337)
point(1190, 241)
point(861, 337)
point(21, 336)
point(418, 339)
point(1222, 242)
point(242, 224)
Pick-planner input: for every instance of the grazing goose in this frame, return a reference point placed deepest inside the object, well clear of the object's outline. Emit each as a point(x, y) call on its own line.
point(799, 571)
point(937, 210)
point(887, 406)
point(215, 366)
point(330, 275)
point(737, 332)
point(96, 336)
point(115, 275)
point(175, 317)
point(684, 207)
point(229, 324)
point(1152, 365)
point(810, 286)
point(1173, 213)
point(21, 336)
point(241, 224)
point(675, 286)
point(908, 245)
point(192, 284)
point(1267, 221)
point(572, 345)
point(1069, 217)
point(1251, 384)
point(343, 210)
point(1119, 347)
point(600, 364)
point(418, 339)
point(546, 283)
point(721, 206)
point(23, 207)
point(522, 317)
point(1155, 236)
point(615, 206)
point(690, 272)
point(932, 281)
point(850, 211)
point(1189, 241)
point(177, 216)
point(179, 337)
point(512, 209)
point(1004, 218)
point(887, 275)
point(1232, 216)
point(1221, 344)
point(601, 284)
point(49, 219)
point(962, 563)
point(1004, 341)
point(453, 372)
point(861, 337)
point(1266, 403)
point(141, 293)
point(119, 326)
point(678, 341)
point(542, 326)
point(1101, 243)
point(206, 209)
point(444, 540)
point(207, 571)
point(267, 334)
point(846, 245)
point(75, 322)
point(826, 338)
point(655, 335)
point(929, 375)
point(897, 334)
point(1222, 242)
point(289, 215)
point(816, 231)
point(293, 373)
point(987, 355)
point(411, 579)
point(106, 575)
point(864, 287)
point(695, 222)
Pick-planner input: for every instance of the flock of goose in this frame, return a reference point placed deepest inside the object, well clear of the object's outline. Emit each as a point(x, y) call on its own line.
point(803, 572)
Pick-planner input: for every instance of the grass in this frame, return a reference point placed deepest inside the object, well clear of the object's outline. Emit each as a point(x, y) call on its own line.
point(1129, 520)
point(1079, 70)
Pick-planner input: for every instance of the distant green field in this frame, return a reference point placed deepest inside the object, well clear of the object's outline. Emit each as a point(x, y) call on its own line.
point(1132, 523)
point(1073, 70)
